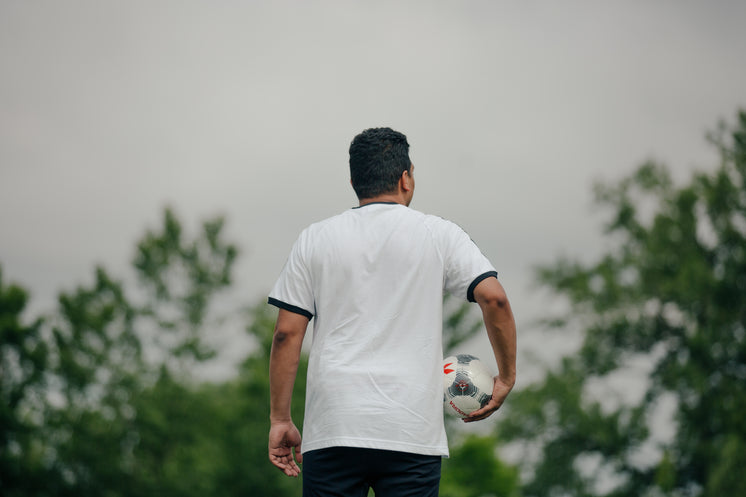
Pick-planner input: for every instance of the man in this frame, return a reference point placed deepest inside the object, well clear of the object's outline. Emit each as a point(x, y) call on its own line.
point(373, 279)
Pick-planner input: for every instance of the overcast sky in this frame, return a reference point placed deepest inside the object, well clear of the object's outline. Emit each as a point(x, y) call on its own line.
point(110, 111)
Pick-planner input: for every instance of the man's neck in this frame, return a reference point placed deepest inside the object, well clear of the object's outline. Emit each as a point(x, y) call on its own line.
point(383, 199)
point(387, 198)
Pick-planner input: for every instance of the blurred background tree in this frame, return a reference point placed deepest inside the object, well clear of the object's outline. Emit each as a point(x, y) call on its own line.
point(24, 360)
point(669, 294)
point(100, 399)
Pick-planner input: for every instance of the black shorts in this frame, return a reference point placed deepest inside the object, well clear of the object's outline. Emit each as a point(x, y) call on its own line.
point(351, 471)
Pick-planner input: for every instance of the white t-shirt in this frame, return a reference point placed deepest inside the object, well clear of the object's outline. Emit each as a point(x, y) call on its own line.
point(373, 279)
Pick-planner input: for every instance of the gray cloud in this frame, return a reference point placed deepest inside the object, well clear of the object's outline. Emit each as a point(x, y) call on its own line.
point(108, 112)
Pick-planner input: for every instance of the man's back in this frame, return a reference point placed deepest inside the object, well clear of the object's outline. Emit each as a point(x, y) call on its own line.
point(374, 277)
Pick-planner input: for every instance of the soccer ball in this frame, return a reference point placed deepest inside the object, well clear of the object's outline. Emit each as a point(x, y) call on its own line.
point(467, 384)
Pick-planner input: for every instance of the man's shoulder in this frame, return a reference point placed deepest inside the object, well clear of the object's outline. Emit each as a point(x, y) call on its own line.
point(331, 220)
point(438, 222)
point(326, 225)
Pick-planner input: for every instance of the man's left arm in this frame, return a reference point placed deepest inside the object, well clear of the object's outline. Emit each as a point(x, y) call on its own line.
point(501, 330)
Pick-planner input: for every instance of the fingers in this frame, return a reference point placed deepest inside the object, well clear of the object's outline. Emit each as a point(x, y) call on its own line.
point(292, 469)
point(499, 393)
point(285, 463)
point(284, 443)
point(482, 413)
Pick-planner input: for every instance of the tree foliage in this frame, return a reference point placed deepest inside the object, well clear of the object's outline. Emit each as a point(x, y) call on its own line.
point(89, 389)
point(670, 292)
point(474, 470)
point(24, 357)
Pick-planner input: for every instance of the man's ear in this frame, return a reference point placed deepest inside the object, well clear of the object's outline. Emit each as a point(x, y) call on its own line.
point(405, 181)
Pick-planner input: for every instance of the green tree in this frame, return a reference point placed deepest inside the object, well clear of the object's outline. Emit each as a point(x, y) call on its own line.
point(670, 291)
point(24, 359)
point(180, 278)
point(101, 370)
point(73, 384)
point(475, 470)
point(210, 439)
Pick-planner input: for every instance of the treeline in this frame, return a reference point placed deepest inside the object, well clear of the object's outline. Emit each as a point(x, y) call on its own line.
point(100, 398)
point(667, 302)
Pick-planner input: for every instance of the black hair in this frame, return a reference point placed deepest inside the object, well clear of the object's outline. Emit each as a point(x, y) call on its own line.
point(378, 157)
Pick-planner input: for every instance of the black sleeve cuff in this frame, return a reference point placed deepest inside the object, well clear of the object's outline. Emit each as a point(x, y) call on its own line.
point(478, 280)
point(289, 307)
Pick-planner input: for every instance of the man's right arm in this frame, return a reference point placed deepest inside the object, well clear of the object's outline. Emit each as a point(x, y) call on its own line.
point(501, 330)
point(284, 437)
